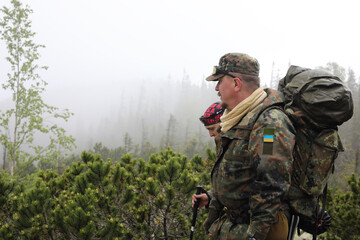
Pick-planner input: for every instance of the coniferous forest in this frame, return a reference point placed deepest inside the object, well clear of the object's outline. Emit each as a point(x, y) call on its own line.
point(131, 173)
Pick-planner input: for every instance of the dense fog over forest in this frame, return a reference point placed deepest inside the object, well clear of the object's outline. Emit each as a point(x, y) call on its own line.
point(128, 69)
point(140, 108)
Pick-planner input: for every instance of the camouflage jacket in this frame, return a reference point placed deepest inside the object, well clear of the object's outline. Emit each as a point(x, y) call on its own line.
point(253, 169)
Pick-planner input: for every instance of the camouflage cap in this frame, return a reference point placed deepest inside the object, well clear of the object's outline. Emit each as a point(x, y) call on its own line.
point(237, 63)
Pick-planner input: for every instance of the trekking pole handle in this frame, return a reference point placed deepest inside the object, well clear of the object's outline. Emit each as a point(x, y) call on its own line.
point(195, 210)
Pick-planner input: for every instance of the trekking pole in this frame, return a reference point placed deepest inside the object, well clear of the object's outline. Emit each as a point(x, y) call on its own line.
point(195, 210)
point(293, 225)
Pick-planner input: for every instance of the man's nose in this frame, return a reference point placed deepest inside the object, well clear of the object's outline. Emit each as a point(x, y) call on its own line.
point(217, 86)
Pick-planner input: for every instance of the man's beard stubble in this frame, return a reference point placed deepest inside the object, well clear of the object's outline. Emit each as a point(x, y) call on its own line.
point(224, 105)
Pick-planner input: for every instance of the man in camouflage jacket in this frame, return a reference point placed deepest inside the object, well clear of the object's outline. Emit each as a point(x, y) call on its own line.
point(252, 171)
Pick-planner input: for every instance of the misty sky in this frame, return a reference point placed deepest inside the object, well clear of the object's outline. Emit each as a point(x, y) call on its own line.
point(88, 40)
point(96, 49)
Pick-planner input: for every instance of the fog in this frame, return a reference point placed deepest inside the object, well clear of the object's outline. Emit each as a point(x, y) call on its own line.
point(125, 66)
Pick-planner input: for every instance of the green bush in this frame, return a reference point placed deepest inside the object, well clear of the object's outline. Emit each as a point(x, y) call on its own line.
point(344, 208)
point(97, 199)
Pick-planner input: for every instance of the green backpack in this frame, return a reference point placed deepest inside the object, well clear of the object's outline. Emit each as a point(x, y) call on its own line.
point(316, 102)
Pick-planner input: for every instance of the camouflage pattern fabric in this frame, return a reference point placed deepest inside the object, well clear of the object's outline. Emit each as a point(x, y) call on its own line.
point(314, 158)
point(317, 102)
point(278, 230)
point(247, 182)
point(324, 99)
point(239, 63)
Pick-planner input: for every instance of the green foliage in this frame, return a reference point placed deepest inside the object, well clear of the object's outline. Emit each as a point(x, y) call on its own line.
point(27, 118)
point(344, 208)
point(202, 168)
point(7, 188)
point(105, 153)
point(97, 199)
point(191, 147)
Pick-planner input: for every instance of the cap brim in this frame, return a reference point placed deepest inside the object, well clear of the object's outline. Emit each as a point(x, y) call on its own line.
point(214, 77)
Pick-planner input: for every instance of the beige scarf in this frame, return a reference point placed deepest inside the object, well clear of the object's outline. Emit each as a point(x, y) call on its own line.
point(231, 118)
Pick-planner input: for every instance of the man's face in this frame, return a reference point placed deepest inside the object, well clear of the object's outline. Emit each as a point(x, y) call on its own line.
point(213, 132)
point(225, 89)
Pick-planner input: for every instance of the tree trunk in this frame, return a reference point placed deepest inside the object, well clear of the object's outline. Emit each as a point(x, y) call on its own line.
point(357, 160)
point(5, 165)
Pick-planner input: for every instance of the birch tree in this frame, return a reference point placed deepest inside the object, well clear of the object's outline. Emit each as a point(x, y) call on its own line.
point(29, 116)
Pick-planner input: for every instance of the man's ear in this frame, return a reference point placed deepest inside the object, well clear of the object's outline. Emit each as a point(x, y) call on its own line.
point(238, 84)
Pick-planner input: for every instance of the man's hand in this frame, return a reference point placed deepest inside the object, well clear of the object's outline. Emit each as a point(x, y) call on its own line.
point(204, 200)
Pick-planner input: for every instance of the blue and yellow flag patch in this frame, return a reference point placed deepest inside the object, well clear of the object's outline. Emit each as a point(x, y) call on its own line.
point(268, 138)
point(268, 133)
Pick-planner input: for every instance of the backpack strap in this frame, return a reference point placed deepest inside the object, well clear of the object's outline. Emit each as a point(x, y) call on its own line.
point(278, 106)
point(320, 212)
point(226, 144)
